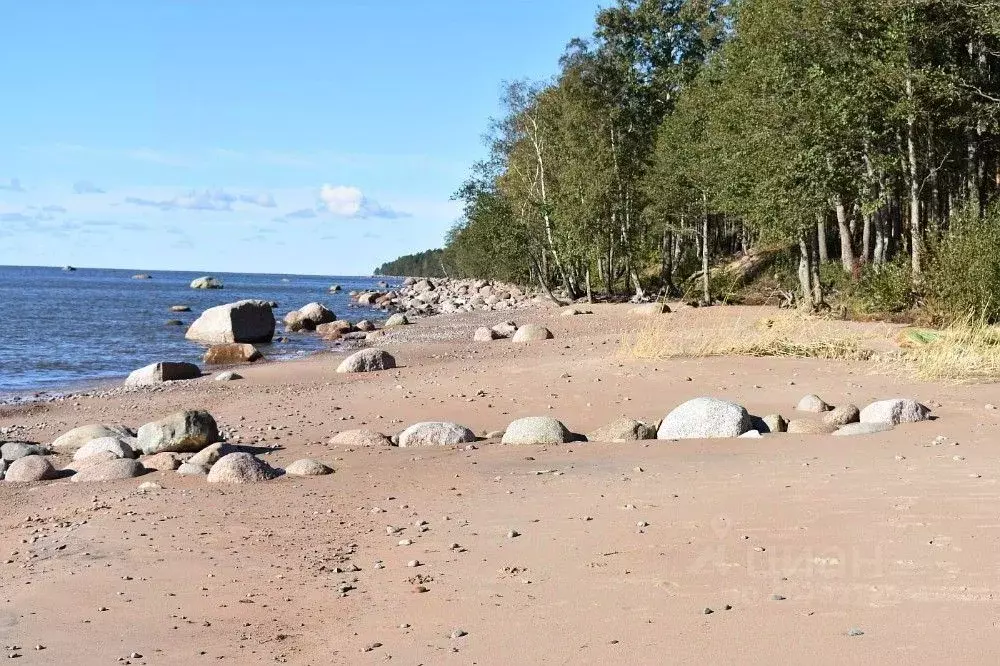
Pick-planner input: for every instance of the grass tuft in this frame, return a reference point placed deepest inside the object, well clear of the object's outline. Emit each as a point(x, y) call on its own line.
point(966, 351)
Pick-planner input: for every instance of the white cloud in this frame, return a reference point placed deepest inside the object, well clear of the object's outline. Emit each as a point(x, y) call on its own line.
point(347, 201)
point(12, 185)
point(215, 200)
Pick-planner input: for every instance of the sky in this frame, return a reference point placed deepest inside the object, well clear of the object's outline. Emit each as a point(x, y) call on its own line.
point(303, 136)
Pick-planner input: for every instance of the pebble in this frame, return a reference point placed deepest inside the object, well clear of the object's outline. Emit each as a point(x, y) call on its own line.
point(855, 632)
point(777, 597)
point(405, 542)
point(708, 611)
point(458, 633)
point(413, 563)
point(513, 534)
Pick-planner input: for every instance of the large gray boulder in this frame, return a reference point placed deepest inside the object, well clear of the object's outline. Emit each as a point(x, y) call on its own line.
point(505, 329)
point(623, 429)
point(435, 433)
point(111, 470)
point(242, 321)
point(240, 467)
point(532, 333)
point(812, 403)
point(852, 429)
point(705, 418)
point(842, 415)
point(206, 282)
point(360, 438)
point(164, 371)
point(536, 430)
point(77, 437)
point(367, 360)
point(190, 430)
point(308, 467)
point(317, 313)
point(895, 411)
point(484, 334)
point(29, 469)
point(117, 446)
point(11, 451)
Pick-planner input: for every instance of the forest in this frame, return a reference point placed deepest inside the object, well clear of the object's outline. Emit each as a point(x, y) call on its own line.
point(827, 148)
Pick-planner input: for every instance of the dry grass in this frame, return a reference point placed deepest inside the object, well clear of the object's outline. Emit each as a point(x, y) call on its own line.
point(966, 351)
point(789, 335)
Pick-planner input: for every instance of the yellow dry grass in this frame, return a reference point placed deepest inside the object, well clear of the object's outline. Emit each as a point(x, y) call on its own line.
point(790, 335)
point(966, 351)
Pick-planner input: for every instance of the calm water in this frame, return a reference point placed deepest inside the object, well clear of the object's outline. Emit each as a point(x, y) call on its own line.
point(61, 329)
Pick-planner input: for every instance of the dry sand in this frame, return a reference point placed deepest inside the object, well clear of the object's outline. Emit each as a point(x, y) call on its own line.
point(622, 547)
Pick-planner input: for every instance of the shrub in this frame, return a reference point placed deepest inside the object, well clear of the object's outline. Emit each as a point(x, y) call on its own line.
point(963, 278)
point(885, 288)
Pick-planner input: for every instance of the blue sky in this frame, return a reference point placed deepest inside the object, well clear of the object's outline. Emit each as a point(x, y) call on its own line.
point(303, 136)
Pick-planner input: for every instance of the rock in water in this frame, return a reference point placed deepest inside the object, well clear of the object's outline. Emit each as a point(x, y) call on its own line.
point(206, 282)
point(30, 468)
point(111, 470)
point(809, 427)
point(650, 309)
point(240, 467)
point(232, 353)
point(115, 445)
point(77, 437)
point(360, 438)
point(484, 334)
point(242, 321)
point(536, 430)
point(367, 360)
point(705, 418)
point(862, 429)
point(895, 411)
point(317, 313)
point(365, 325)
point(843, 415)
point(11, 451)
point(398, 319)
point(623, 430)
point(190, 430)
point(165, 371)
point(308, 467)
point(180, 308)
point(812, 403)
point(435, 434)
point(532, 333)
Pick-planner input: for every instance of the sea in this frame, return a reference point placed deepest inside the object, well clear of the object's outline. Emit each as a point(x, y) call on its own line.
point(64, 330)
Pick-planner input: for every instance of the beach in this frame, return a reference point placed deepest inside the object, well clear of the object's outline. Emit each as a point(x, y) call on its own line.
point(797, 547)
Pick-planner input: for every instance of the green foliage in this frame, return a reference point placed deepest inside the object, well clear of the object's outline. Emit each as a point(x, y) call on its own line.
point(423, 264)
point(884, 290)
point(964, 276)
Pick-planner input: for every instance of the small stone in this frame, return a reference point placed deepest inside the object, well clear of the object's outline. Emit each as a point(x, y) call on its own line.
point(777, 597)
point(458, 633)
point(405, 542)
point(855, 632)
point(708, 611)
point(413, 563)
point(513, 534)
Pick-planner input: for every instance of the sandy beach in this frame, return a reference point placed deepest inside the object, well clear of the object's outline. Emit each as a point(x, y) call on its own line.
point(798, 548)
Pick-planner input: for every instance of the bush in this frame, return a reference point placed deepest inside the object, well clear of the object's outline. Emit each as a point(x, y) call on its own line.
point(963, 278)
point(885, 288)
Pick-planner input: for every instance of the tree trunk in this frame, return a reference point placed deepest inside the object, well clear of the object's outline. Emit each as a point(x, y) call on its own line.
point(590, 292)
point(817, 284)
point(706, 291)
point(824, 254)
point(916, 239)
point(866, 238)
point(805, 272)
point(846, 246)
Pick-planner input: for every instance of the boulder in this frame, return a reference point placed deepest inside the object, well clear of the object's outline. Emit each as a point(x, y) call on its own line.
point(398, 319)
point(173, 322)
point(650, 309)
point(843, 415)
point(334, 288)
point(317, 313)
point(809, 427)
point(190, 469)
point(190, 430)
point(532, 333)
point(439, 433)
point(91, 460)
point(115, 445)
point(227, 376)
point(242, 321)
point(240, 467)
point(206, 282)
point(162, 462)
point(111, 470)
point(862, 429)
point(505, 330)
point(623, 429)
point(536, 430)
point(894, 412)
point(210, 455)
point(773, 423)
point(484, 334)
point(308, 467)
point(360, 438)
point(365, 325)
point(11, 451)
point(705, 418)
point(812, 403)
point(367, 360)
point(751, 434)
point(295, 321)
point(232, 353)
point(142, 276)
point(164, 371)
point(180, 308)
point(77, 437)
point(30, 468)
